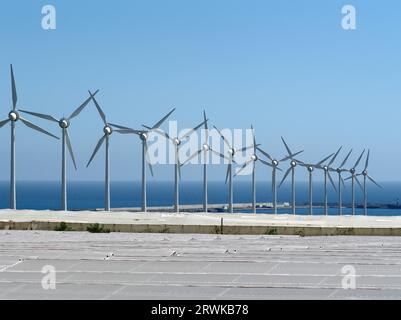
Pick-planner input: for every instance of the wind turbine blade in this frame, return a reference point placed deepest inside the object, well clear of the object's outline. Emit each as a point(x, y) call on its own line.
point(331, 181)
point(223, 137)
point(206, 126)
point(322, 161)
point(219, 154)
point(162, 133)
point(191, 131)
point(37, 128)
point(245, 148)
point(197, 153)
point(285, 176)
point(4, 122)
point(359, 159)
point(40, 115)
point(286, 146)
point(335, 156)
point(265, 153)
point(99, 109)
point(160, 122)
point(13, 88)
point(346, 158)
point(70, 148)
point(291, 156)
point(81, 107)
point(367, 160)
point(371, 179)
point(342, 180)
point(99, 144)
point(266, 163)
point(147, 159)
point(227, 173)
point(243, 167)
point(359, 183)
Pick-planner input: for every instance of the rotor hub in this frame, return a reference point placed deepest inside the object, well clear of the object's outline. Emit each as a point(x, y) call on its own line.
point(64, 123)
point(108, 130)
point(143, 136)
point(338, 170)
point(352, 171)
point(254, 157)
point(275, 163)
point(293, 163)
point(326, 168)
point(310, 168)
point(205, 147)
point(364, 172)
point(13, 116)
point(177, 141)
point(231, 151)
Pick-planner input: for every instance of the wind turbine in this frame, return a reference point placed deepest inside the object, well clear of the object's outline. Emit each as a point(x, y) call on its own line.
point(229, 174)
point(310, 167)
point(340, 170)
point(274, 164)
point(353, 177)
point(107, 131)
point(366, 175)
point(177, 164)
point(13, 117)
point(143, 135)
point(326, 169)
point(206, 148)
point(293, 164)
point(64, 124)
point(252, 160)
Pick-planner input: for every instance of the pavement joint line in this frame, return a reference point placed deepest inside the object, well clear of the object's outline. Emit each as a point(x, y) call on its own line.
point(108, 296)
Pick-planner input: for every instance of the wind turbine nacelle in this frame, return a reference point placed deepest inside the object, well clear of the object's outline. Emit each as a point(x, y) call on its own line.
point(310, 168)
point(108, 130)
point(293, 163)
point(254, 157)
point(13, 116)
point(231, 151)
point(177, 141)
point(275, 163)
point(205, 147)
point(64, 123)
point(143, 136)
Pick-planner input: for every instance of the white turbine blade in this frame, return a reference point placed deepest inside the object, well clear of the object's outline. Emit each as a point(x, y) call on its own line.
point(246, 148)
point(359, 183)
point(37, 128)
point(367, 160)
point(322, 161)
point(67, 137)
point(285, 176)
point(290, 156)
point(162, 133)
point(99, 109)
point(243, 167)
point(191, 131)
point(219, 154)
point(227, 174)
point(346, 158)
point(223, 137)
point(331, 181)
point(99, 144)
point(335, 156)
point(342, 180)
point(81, 107)
point(286, 146)
point(160, 122)
point(4, 122)
point(40, 115)
point(371, 179)
point(265, 153)
point(197, 153)
point(359, 159)
point(266, 163)
point(13, 88)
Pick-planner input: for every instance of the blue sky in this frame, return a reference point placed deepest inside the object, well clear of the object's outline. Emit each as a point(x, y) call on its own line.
point(287, 67)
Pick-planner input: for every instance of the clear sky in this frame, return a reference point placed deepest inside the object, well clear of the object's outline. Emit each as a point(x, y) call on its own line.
point(287, 67)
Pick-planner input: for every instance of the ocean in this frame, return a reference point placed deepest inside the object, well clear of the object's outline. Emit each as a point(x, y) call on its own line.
point(90, 195)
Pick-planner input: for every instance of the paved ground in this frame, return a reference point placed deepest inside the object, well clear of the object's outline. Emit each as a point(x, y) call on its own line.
point(170, 266)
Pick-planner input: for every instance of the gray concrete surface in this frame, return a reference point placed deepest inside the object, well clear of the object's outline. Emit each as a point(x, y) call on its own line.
point(122, 221)
point(196, 266)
